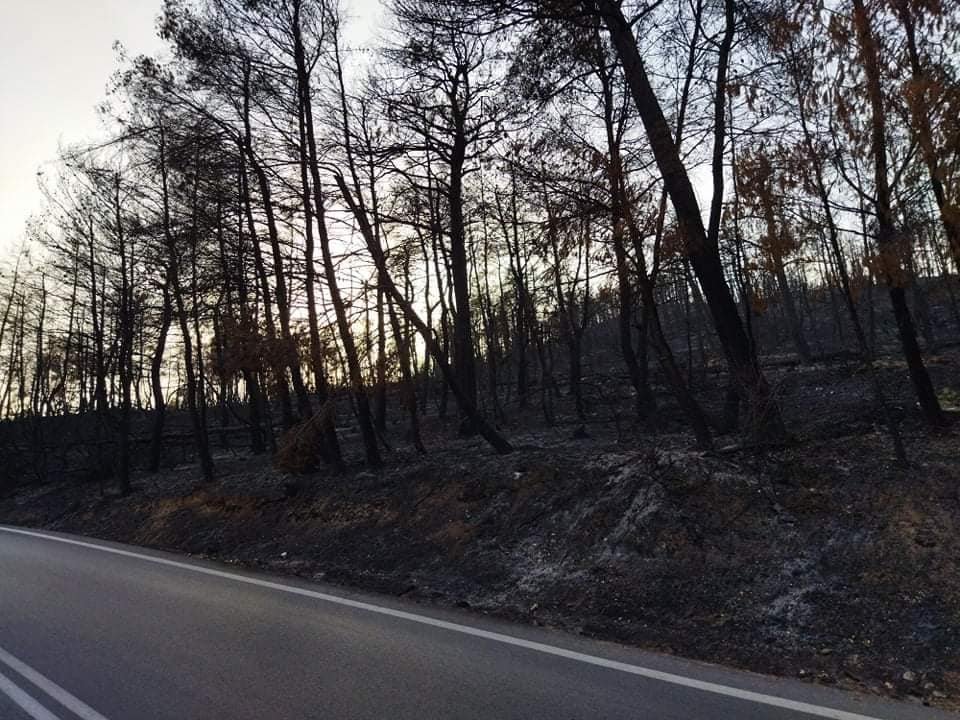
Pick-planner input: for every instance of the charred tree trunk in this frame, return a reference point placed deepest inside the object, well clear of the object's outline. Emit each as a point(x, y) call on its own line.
point(354, 370)
point(156, 382)
point(701, 249)
point(330, 444)
point(886, 231)
point(923, 131)
point(183, 318)
point(409, 387)
point(487, 431)
point(463, 352)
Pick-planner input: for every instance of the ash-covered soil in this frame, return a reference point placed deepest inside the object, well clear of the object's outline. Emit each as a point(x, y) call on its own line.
point(821, 559)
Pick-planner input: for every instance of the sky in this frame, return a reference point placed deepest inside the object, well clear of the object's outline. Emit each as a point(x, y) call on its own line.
point(56, 58)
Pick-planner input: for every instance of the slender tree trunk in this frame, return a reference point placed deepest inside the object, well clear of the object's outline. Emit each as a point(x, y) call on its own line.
point(487, 431)
point(248, 333)
point(409, 389)
point(354, 369)
point(330, 444)
point(276, 367)
point(173, 275)
point(702, 250)
point(783, 284)
point(886, 240)
point(156, 383)
point(125, 359)
point(200, 396)
point(463, 352)
point(923, 131)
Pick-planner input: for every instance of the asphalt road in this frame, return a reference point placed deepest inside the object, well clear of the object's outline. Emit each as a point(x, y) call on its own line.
point(101, 631)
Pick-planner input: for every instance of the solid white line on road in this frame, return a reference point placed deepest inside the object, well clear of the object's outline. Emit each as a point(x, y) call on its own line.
point(24, 701)
point(681, 680)
point(69, 701)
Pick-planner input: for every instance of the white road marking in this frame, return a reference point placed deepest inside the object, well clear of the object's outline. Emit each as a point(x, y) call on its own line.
point(68, 700)
point(24, 701)
point(681, 680)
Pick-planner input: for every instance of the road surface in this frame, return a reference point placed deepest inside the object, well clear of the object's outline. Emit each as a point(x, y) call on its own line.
point(92, 630)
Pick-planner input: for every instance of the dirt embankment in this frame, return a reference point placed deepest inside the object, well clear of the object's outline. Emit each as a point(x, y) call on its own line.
point(822, 560)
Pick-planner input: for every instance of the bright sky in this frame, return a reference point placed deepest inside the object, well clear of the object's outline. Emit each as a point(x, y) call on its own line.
point(56, 57)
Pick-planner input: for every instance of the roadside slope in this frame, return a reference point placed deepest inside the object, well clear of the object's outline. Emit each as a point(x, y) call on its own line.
point(840, 569)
